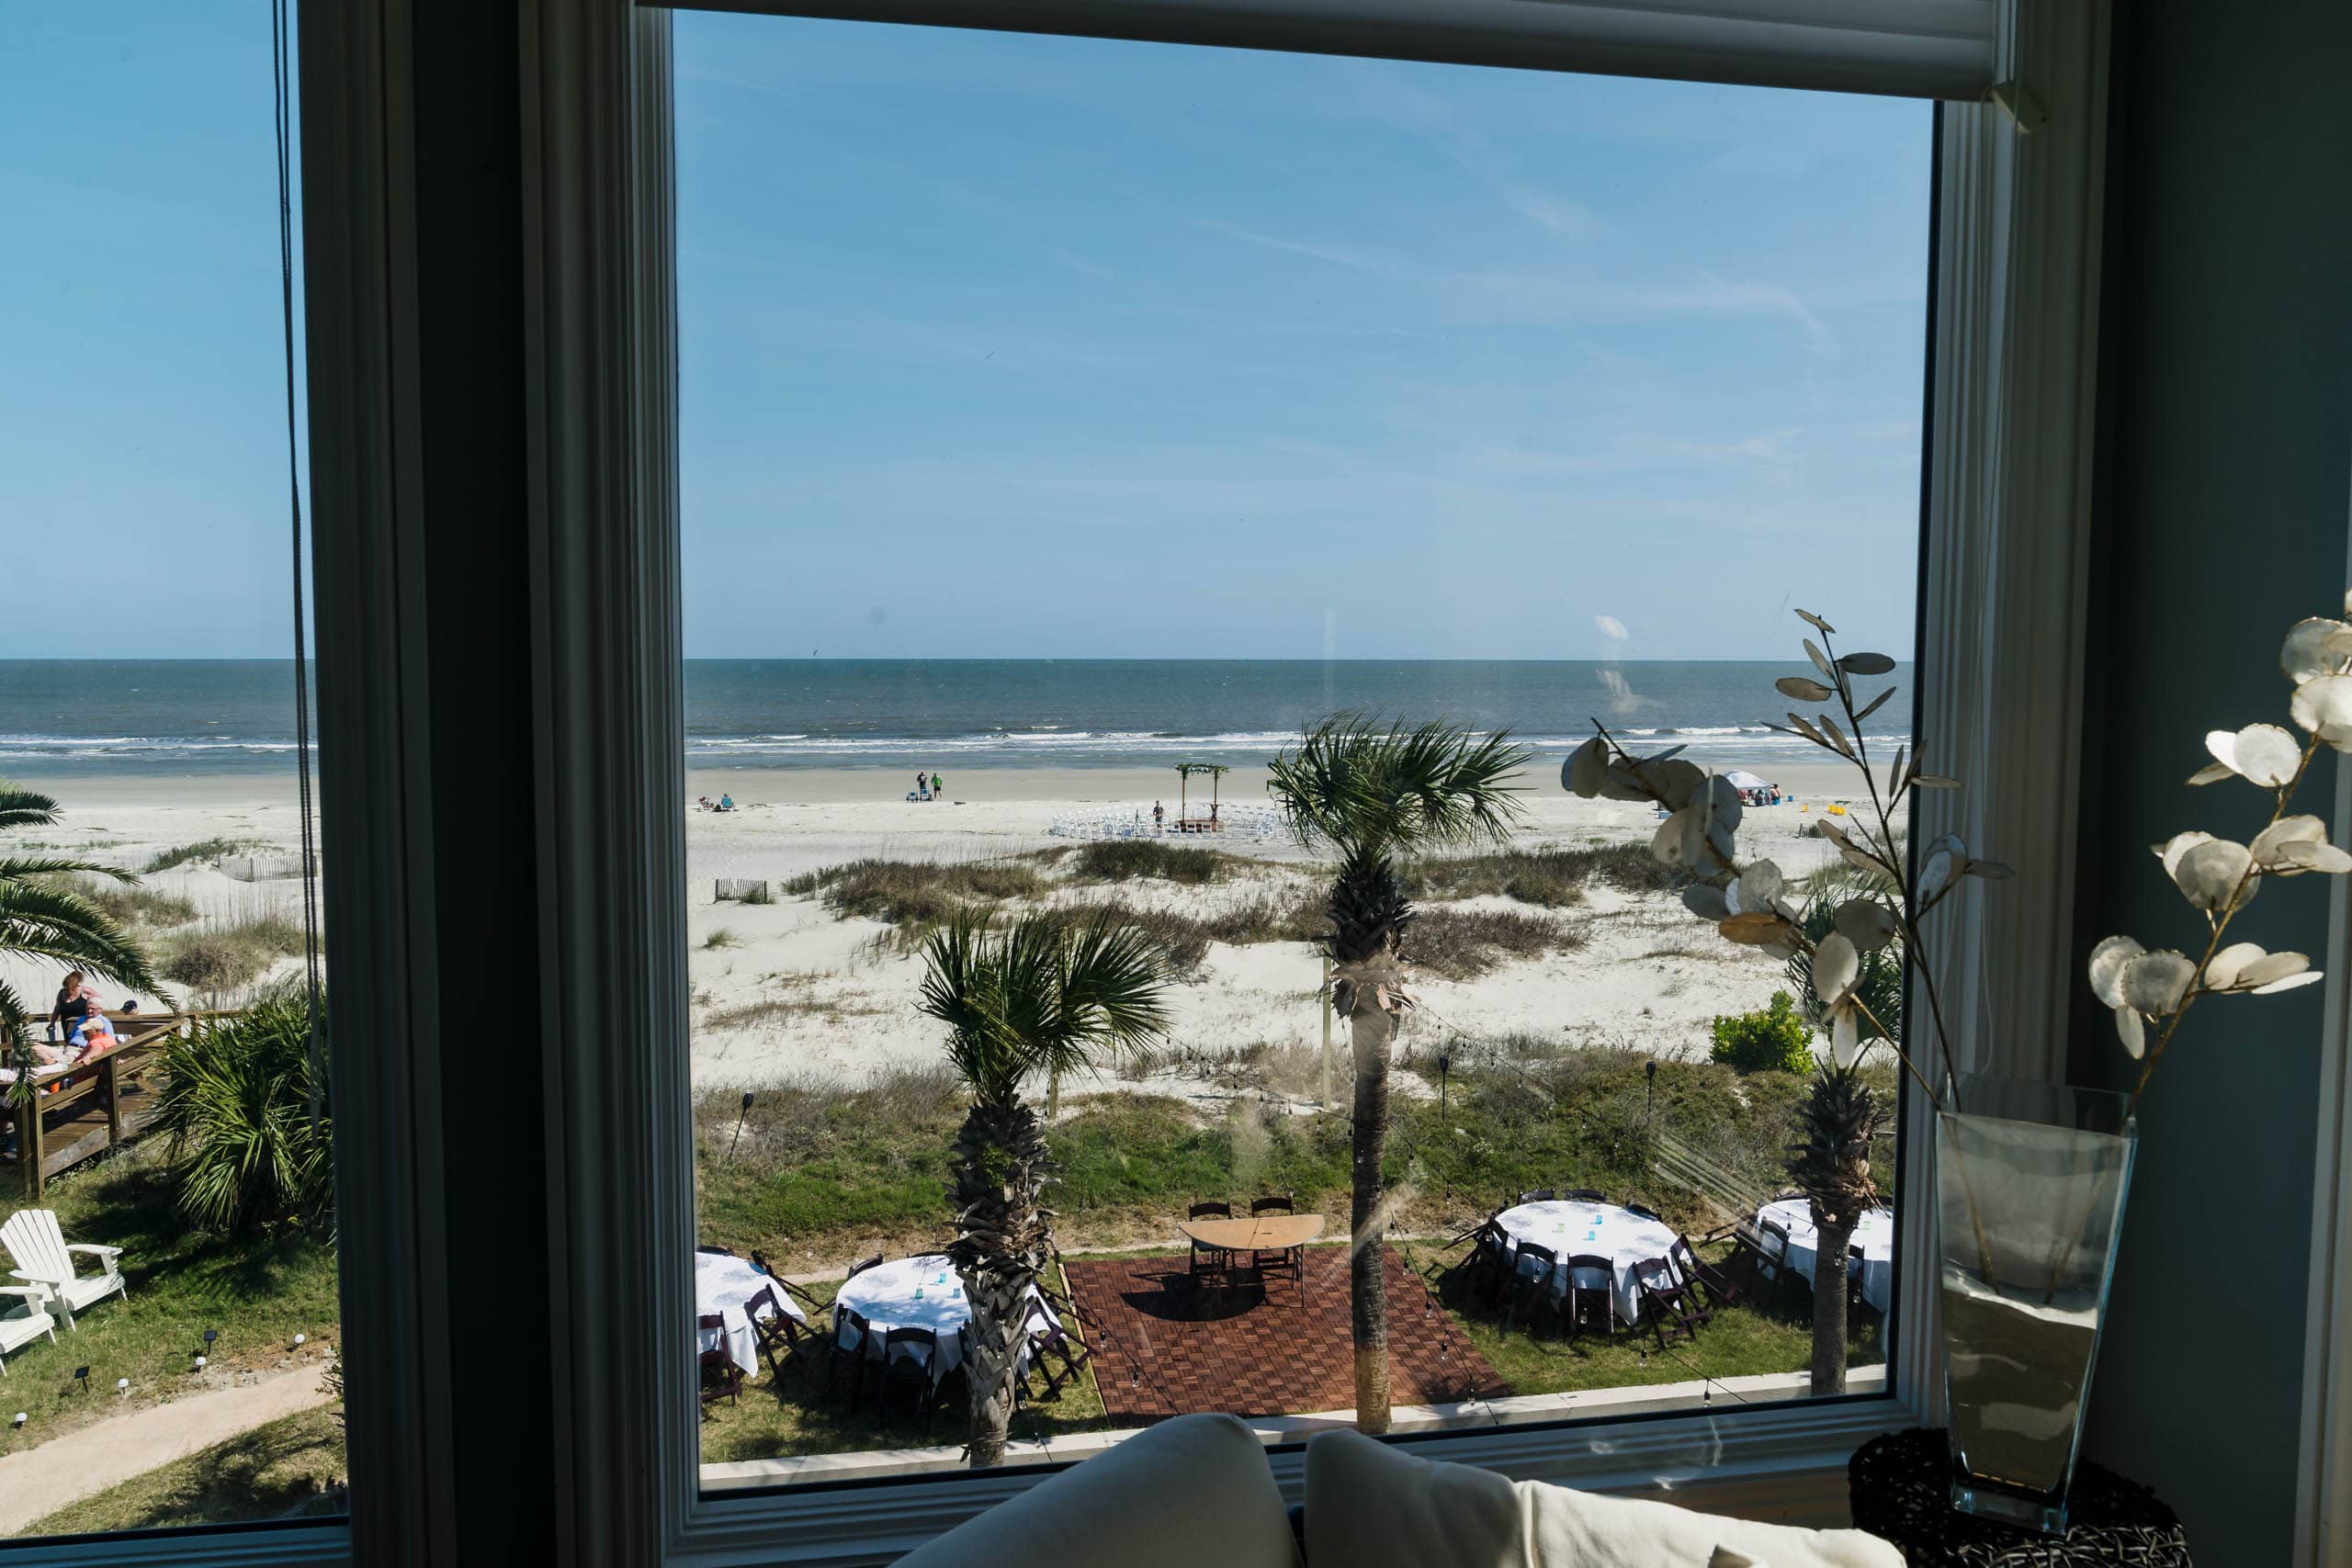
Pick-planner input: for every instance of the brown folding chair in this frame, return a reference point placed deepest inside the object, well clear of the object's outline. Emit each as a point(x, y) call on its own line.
point(1664, 1299)
point(716, 1251)
point(1702, 1274)
point(1531, 1283)
point(1487, 1271)
point(1588, 1305)
point(1540, 1195)
point(1291, 1261)
point(730, 1376)
point(1049, 1341)
point(1213, 1263)
point(1641, 1210)
point(904, 1372)
point(845, 1367)
point(783, 1342)
point(1585, 1195)
point(860, 1268)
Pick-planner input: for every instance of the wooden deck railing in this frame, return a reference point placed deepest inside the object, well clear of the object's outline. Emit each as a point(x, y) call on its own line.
point(102, 1104)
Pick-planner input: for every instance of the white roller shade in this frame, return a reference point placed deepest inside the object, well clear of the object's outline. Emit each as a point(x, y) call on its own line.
point(1929, 49)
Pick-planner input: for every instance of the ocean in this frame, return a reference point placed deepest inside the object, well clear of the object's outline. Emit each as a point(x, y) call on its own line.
point(64, 717)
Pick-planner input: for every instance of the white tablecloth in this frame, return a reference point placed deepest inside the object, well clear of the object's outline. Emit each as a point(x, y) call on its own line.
point(1601, 1230)
point(910, 1292)
point(1870, 1254)
point(721, 1287)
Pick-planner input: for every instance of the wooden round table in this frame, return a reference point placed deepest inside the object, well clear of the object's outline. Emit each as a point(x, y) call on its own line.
point(1260, 1233)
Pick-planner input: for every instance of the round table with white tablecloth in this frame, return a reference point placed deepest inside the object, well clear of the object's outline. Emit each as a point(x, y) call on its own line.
point(1601, 1230)
point(722, 1284)
point(910, 1292)
point(1870, 1253)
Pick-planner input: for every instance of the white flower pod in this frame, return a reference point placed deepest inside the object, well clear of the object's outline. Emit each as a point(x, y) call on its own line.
point(1677, 781)
point(2306, 977)
point(2216, 875)
point(2271, 846)
point(1585, 767)
point(2260, 753)
point(1758, 887)
point(1820, 659)
point(2154, 983)
point(1802, 688)
point(1844, 1037)
point(2316, 857)
point(1681, 839)
point(2221, 970)
point(2179, 844)
point(1943, 863)
point(2271, 969)
point(1866, 664)
point(2305, 654)
point(1867, 923)
point(1836, 966)
point(1707, 901)
point(2323, 706)
point(1619, 781)
point(2132, 1030)
point(2108, 960)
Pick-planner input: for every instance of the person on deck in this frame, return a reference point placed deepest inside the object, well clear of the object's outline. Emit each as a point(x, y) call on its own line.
point(76, 1000)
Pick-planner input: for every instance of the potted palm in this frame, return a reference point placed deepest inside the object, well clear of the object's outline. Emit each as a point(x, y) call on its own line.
point(1377, 795)
point(1040, 997)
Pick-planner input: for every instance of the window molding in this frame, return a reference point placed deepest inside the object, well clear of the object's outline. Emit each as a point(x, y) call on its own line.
point(2007, 525)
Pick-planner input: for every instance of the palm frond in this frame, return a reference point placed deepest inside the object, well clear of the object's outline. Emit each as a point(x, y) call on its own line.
point(1039, 997)
point(42, 919)
point(1371, 790)
point(26, 808)
point(18, 868)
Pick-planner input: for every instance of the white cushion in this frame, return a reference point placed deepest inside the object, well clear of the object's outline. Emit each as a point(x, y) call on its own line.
point(1370, 1505)
point(1190, 1493)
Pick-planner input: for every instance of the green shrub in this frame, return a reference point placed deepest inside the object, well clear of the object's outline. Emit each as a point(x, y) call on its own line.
point(1774, 1038)
point(220, 958)
point(236, 1112)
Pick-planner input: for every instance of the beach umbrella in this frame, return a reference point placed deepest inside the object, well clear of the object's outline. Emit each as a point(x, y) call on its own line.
point(1740, 779)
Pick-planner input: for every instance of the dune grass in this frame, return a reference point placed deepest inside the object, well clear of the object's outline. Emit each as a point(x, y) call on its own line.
point(148, 908)
point(1552, 876)
point(280, 1469)
point(228, 955)
point(1462, 944)
point(201, 850)
point(1125, 860)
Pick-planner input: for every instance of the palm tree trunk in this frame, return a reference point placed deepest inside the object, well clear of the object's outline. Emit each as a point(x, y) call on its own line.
point(1367, 1292)
point(993, 1371)
point(1830, 1244)
point(1003, 1236)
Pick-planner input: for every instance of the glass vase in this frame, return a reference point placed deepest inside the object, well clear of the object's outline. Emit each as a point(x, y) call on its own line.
point(2029, 1187)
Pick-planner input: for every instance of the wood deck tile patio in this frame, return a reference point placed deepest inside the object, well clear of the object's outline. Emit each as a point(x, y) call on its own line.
point(1163, 1350)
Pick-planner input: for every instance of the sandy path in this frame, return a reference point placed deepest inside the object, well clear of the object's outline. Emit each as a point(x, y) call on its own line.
point(42, 1480)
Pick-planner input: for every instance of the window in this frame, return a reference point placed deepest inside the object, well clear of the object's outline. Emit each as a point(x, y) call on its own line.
point(600, 791)
point(1068, 425)
point(154, 845)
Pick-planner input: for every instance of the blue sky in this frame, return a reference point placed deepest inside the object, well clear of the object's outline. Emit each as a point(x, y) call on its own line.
point(1021, 345)
point(996, 345)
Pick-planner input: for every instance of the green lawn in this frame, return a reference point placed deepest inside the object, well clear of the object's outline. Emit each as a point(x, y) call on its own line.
point(1740, 1341)
point(258, 1291)
point(271, 1471)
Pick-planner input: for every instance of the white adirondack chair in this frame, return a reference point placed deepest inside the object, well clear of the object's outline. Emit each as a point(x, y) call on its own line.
point(44, 1258)
point(18, 1331)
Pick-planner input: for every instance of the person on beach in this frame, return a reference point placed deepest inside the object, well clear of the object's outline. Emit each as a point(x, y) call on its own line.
point(726, 803)
point(938, 787)
point(922, 785)
point(1159, 816)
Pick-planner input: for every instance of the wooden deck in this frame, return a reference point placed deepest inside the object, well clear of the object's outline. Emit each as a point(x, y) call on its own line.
point(104, 1105)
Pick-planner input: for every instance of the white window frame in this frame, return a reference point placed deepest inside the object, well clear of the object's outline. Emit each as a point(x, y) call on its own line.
point(2008, 487)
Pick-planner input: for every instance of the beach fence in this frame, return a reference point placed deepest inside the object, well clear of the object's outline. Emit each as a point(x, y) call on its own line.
point(741, 890)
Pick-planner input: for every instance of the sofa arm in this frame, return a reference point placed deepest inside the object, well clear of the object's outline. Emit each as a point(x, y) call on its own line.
point(1188, 1492)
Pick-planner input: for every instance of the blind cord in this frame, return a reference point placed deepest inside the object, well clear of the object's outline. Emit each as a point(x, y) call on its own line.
point(281, 78)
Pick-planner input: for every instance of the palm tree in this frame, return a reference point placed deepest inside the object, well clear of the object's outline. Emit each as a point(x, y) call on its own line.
point(1837, 1122)
point(1841, 1117)
point(43, 917)
point(1044, 997)
point(1377, 795)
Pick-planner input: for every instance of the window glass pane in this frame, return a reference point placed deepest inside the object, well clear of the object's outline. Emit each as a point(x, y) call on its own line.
point(178, 1367)
point(1069, 428)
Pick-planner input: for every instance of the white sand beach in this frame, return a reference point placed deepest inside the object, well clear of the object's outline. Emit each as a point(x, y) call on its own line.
point(787, 990)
